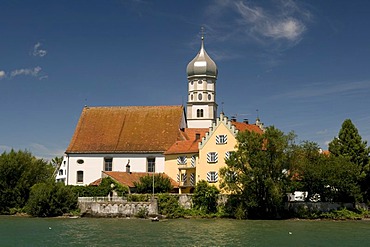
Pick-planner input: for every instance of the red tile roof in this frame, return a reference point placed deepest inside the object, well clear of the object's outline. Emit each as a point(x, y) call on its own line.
point(127, 129)
point(128, 178)
point(250, 127)
point(190, 142)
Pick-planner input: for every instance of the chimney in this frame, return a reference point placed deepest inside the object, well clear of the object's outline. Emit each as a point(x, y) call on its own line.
point(197, 136)
point(246, 121)
point(233, 119)
point(128, 167)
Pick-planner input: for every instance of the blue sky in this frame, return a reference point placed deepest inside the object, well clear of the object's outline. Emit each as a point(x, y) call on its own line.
point(305, 65)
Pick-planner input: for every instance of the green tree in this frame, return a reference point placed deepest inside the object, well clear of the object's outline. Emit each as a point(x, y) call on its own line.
point(256, 173)
point(334, 178)
point(19, 171)
point(205, 197)
point(349, 145)
point(162, 184)
point(51, 199)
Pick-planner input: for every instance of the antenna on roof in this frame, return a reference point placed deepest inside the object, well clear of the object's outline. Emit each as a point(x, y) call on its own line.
point(222, 107)
point(258, 117)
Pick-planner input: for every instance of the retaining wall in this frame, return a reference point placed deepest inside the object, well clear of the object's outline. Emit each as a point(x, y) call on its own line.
point(115, 207)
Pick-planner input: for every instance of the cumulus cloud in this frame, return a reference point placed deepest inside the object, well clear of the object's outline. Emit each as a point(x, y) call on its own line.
point(29, 71)
point(2, 74)
point(37, 51)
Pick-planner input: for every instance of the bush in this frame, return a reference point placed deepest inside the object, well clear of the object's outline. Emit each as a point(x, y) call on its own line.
point(205, 197)
point(162, 184)
point(51, 199)
point(103, 189)
point(169, 205)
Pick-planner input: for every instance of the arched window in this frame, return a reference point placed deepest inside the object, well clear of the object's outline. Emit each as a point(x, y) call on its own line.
point(200, 96)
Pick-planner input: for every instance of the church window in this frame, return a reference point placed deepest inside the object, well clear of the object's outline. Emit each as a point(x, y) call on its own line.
point(200, 113)
point(192, 82)
point(80, 176)
point(200, 96)
point(108, 164)
point(191, 97)
point(209, 97)
point(200, 82)
point(80, 161)
point(151, 164)
point(61, 172)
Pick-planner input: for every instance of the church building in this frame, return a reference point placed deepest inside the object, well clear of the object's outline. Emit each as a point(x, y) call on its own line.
point(156, 139)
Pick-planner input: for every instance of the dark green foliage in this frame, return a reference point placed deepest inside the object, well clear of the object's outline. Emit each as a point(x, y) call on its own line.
point(349, 145)
point(104, 189)
point(162, 184)
point(205, 197)
point(169, 205)
point(139, 197)
point(51, 199)
point(260, 165)
point(19, 171)
point(335, 178)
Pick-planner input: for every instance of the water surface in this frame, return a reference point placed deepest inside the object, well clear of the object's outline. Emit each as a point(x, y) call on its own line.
point(19, 231)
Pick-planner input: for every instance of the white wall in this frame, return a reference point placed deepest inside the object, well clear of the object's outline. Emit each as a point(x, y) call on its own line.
point(93, 165)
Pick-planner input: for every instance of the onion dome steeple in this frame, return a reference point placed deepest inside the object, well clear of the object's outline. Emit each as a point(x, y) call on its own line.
point(202, 64)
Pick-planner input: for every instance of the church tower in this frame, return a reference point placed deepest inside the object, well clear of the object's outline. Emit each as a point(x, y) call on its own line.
point(201, 109)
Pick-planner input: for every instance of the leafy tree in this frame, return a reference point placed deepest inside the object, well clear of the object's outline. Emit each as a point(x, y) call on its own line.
point(334, 178)
point(51, 199)
point(258, 168)
point(19, 171)
point(205, 197)
point(349, 145)
point(162, 184)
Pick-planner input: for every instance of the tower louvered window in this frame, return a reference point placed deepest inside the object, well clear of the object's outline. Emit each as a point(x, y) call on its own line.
point(183, 177)
point(212, 157)
point(221, 139)
point(212, 177)
point(181, 160)
point(192, 178)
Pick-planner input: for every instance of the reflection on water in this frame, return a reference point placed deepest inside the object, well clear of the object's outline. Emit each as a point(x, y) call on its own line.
point(17, 231)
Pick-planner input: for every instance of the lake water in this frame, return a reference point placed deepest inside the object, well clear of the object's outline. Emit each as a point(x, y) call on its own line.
point(19, 231)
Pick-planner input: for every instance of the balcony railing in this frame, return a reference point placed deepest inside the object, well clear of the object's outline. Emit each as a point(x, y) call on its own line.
point(186, 184)
point(185, 166)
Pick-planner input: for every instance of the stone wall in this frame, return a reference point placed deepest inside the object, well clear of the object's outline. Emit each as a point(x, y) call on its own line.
point(115, 207)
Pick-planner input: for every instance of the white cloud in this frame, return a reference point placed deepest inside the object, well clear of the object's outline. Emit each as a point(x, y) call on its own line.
point(283, 21)
point(41, 151)
point(30, 71)
point(276, 25)
point(2, 74)
point(37, 52)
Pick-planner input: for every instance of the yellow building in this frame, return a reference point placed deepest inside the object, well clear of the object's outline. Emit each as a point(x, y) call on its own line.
point(217, 144)
point(181, 159)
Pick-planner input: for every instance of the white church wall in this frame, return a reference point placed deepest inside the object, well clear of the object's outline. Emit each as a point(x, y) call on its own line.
point(93, 165)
